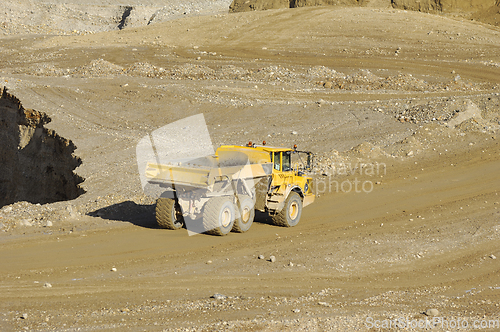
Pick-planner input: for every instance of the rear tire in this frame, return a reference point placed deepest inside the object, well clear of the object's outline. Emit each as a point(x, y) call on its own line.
point(289, 216)
point(219, 215)
point(168, 214)
point(247, 215)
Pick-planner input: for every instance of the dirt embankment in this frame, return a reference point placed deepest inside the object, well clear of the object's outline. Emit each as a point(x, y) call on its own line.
point(245, 5)
point(68, 16)
point(487, 11)
point(445, 6)
point(37, 164)
point(490, 15)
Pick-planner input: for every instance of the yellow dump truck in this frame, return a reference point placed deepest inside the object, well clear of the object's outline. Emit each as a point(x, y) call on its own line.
point(220, 193)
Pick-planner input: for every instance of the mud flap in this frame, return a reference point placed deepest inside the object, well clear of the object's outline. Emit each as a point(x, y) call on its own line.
point(309, 199)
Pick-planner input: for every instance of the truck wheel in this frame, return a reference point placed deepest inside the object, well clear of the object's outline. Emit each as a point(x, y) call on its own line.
point(247, 214)
point(169, 214)
point(218, 215)
point(290, 214)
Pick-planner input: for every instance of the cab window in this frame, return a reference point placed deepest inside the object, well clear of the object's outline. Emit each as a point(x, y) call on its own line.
point(276, 160)
point(287, 161)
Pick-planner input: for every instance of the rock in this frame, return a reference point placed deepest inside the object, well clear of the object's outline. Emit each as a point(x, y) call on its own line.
point(71, 211)
point(48, 223)
point(24, 316)
point(471, 111)
point(493, 256)
point(25, 222)
point(218, 296)
point(261, 257)
point(209, 262)
point(272, 259)
point(114, 269)
point(290, 264)
point(7, 209)
point(294, 133)
point(325, 304)
point(432, 312)
point(296, 311)
point(47, 285)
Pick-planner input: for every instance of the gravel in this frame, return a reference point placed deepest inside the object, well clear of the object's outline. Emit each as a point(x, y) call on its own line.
point(304, 78)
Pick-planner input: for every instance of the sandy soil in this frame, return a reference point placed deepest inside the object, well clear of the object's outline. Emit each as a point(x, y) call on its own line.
point(416, 93)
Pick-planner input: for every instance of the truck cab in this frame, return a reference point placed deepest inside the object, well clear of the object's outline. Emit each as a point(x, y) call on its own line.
point(288, 173)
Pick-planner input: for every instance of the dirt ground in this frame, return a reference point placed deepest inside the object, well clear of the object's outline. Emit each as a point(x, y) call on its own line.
point(415, 95)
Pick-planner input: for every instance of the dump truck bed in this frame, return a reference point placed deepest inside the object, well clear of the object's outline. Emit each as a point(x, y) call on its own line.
point(229, 163)
point(204, 177)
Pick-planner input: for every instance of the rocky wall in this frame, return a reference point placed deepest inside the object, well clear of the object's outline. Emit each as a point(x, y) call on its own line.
point(36, 164)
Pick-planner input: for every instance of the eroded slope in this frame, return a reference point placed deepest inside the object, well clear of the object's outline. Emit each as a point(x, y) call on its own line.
point(37, 164)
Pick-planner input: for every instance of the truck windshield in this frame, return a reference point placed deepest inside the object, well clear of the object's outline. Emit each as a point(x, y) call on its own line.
point(286, 161)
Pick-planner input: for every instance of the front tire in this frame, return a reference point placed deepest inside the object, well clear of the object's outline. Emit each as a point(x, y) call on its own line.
point(289, 216)
point(247, 215)
point(218, 215)
point(169, 214)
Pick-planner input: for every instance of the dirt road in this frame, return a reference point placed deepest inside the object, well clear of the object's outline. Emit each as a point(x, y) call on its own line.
point(413, 243)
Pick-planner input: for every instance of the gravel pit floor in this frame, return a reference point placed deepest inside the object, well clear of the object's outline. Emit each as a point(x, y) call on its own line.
point(348, 85)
